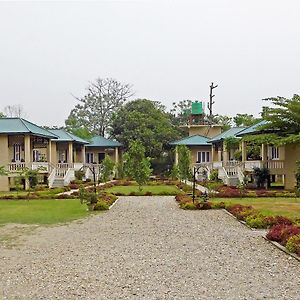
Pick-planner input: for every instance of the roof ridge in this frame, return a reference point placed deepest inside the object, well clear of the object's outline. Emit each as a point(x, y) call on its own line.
point(22, 120)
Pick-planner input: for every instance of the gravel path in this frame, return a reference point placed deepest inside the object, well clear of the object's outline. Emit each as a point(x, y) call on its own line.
point(147, 248)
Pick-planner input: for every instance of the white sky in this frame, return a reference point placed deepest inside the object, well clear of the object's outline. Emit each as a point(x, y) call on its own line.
point(168, 50)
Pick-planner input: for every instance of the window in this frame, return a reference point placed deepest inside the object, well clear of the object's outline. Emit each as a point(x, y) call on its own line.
point(203, 157)
point(101, 156)
point(17, 152)
point(274, 153)
point(36, 155)
point(89, 158)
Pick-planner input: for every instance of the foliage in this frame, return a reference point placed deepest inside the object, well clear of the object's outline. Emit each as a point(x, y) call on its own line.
point(146, 121)
point(225, 121)
point(281, 233)
point(107, 167)
point(3, 171)
point(293, 244)
point(261, 175)
point(81, 132)
point(231, 143)
point(79, 174)
point(180, 112)
point(94, 111)
point(245, 120)
point(101, 205)
point(136, 165)
point(256, 221)
point(241, 212)
point(120, 169)
point(174, 172)
point(184, 162)
point(238, 155)
point(87, 197)
point(214, 175)
point(297, 176)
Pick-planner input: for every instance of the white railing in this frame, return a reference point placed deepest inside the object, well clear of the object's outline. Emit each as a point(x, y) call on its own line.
point(51, 177)
point(217, 164)
point(275, 164)
point(42, 166)
point(78, 166)
point(70, 175)
point(16, 166)
point(251, 164)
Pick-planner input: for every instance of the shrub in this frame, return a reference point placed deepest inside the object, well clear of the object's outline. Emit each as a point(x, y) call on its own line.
point(188, 205)
point(79, 174)
point(101, 205)
point(214, 175)
point(218, 205)
point(148, 194)
point(73, 186)
point(293, 244)
point(241, 212)
point(256, 221)
point(275, 220)
point(203, 205)
point(132, 194)
point(281, 233)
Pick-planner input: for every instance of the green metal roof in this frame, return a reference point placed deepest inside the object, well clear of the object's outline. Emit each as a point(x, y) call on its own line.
point(252, 129)
point(21, 126)
point(193, 140)
point(64, 136)
point(232, 132)
point(100, 141)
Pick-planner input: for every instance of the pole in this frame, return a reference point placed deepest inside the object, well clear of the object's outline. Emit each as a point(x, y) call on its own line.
point(194, 184)
point(211, 102)
point(94, 176)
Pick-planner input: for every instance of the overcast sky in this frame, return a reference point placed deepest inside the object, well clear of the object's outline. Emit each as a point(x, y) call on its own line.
point(168, 51)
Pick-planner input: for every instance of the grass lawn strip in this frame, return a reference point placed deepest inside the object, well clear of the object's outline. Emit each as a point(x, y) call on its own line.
point(288, 207)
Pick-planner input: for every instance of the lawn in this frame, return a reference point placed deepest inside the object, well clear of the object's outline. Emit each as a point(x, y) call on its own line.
point(45, 192)
point(41, 211)
point(289, 207)
point(154, 189)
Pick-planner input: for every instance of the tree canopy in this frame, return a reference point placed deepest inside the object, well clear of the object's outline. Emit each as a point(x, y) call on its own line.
point(94, 111)
point(146, 121)
point(245, 120)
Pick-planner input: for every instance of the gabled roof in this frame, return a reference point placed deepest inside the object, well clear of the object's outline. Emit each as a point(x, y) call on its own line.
point(232, 132)
point(21, 126)
point(100, 141)
point(252, 129)
point(64, 136)
point(193, 140)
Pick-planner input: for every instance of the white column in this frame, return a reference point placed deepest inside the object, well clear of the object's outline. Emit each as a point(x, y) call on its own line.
point(176, 156)
point(70, 153)
point(116, 155)
point(27, 150)
point(244, 151)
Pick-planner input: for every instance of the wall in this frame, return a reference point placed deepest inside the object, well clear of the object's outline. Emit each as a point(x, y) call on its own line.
point(292, 155)
point(4, 184)
point(96, 150)
point(195, 149)
point(205, 130)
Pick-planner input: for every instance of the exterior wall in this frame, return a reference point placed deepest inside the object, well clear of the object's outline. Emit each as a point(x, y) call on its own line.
point(108, 151)
point(292, 155)
point(4, 183)
point(205, 130)
point(194, 152)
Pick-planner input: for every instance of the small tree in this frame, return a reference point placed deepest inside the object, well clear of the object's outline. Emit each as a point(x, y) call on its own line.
point(136, 164)
point(3, 172)
point(184, 162)
point(261, 175)
point(107, 168)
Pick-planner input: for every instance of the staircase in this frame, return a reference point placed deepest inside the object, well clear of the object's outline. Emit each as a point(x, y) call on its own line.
point(57, 182)
point(61, 175)
point(231, 174)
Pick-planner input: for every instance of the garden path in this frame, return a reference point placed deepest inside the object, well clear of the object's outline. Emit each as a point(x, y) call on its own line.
point(148, 248)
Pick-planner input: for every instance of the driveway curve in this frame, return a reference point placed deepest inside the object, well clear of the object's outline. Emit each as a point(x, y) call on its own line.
point(148, 248)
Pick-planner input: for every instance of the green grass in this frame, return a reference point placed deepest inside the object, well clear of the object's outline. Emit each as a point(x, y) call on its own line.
point(289, 207)
point(154, 189)
point(41, 211)
point(46, 192)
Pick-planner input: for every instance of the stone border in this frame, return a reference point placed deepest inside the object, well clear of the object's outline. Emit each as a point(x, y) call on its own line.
point(114, 203)
point(277, 245)
point(282, 248)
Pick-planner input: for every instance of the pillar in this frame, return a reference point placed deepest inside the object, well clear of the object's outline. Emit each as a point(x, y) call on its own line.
point(70, 153)
point(225, 153)
point(27, 151)
point(264, 153)
point(83, 154)
point(116, 155)
point(244, 151)
point(4, 160)
point(176, 156)
point(49, 152)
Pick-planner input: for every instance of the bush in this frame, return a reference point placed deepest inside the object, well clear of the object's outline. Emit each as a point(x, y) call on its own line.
point(218, 205)
point(293, 244)
point(203, 205)
point(241, 212)
point(73, 186)
point(188, 205)
point(79, 174)
point(256, 221)
point(148, 194)
point(101, 205)
point(275, 220)
point(214, 175)
point(281, 233)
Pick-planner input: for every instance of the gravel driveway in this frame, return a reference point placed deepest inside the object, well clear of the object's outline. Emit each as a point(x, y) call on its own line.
point(148, 248)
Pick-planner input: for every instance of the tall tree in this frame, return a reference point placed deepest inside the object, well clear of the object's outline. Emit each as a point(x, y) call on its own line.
point(245, 120)
point(180, 112)
point(146, 121)
point(184, 162)
point(94, 111)
point(225, 121)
